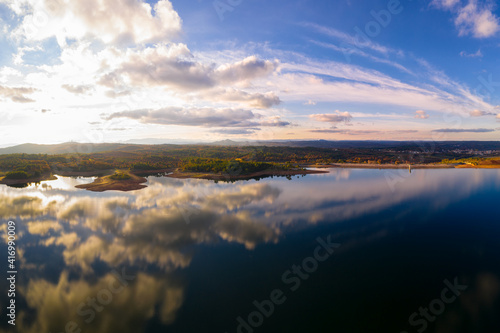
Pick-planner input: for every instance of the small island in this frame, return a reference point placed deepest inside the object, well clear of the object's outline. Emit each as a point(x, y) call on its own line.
point(121, 180)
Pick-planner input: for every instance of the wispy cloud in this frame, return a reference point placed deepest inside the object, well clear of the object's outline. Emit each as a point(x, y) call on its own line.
point(478, 54)
point(445, 4)
point(349, 50)
point(77, 89)
point(479, 113)
point(349, 40)
point(17, 94)
point(343, 131)
point(464, 130)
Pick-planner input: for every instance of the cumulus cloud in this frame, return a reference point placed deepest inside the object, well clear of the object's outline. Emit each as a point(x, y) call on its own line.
point(174, 66)
point(257, 100)
point(421, 114)
point(336, 117)
point(17, 94)
point(204, 117)
point(275, 121)
point(113, 21)
point(476, 19)
point(465, 130)
point(207, 117)
point(247, 69)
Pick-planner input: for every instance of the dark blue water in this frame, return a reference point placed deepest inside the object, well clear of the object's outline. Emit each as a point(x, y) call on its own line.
point(349, 251)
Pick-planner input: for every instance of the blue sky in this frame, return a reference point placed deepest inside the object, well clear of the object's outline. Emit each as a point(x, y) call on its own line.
point(204, 70)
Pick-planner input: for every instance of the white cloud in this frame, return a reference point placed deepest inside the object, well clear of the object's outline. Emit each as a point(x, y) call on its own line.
point(348, 50)
point(204, 117)
point(421, 114)
point(478, 54)
point(350, 40)
point(77, 89)
point(446, 4)
point(7, 74)
point(336, 117)
point(174, 66)
point(255, 100)
point(324, 81)
point(113, 21)
point(473, 19)
point(465, 130)
point(191, 117)
point(343, 131)
point(476, 20)
point(479, 113)
point(17, 94)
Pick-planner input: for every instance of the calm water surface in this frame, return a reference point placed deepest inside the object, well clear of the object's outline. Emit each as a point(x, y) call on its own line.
point(349, 251)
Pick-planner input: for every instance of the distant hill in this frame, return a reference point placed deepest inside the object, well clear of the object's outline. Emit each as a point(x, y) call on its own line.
point(429, 146)
point(228, 143)
point(64, 148)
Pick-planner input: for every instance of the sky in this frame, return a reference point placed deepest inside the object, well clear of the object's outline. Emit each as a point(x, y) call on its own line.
point(203, 70)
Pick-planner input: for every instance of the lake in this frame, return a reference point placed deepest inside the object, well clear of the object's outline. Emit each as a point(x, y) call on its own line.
point(354, 250)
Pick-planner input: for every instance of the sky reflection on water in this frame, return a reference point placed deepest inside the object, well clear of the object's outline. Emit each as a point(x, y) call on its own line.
point(70, 241)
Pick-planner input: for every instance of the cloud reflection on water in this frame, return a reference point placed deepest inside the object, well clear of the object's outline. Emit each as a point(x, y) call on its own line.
point(147, 227)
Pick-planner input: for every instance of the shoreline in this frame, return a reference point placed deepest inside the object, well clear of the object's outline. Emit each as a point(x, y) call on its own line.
point(402, 166)
point(137, 180)
point(227, 177)
point(380, 166)
point(4, 181)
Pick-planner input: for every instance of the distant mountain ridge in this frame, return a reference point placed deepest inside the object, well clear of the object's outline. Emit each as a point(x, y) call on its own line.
point(84, 148)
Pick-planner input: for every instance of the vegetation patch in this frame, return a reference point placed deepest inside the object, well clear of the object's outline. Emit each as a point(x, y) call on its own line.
point(18, 174)
point(120, 176)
